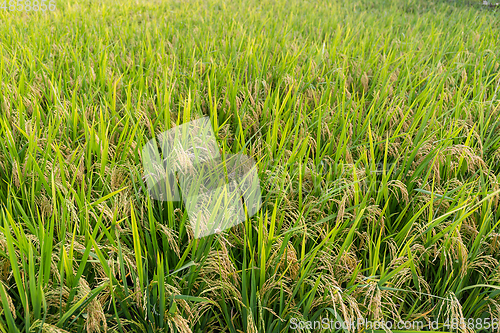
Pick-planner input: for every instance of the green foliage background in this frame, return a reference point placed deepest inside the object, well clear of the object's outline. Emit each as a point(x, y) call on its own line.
point(375, 125)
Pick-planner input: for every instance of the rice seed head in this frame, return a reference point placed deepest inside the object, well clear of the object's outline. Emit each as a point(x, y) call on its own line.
point(15, 174)
point(365, 82)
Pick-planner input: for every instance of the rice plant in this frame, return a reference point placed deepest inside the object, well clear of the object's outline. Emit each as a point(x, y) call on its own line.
point(374, 125)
